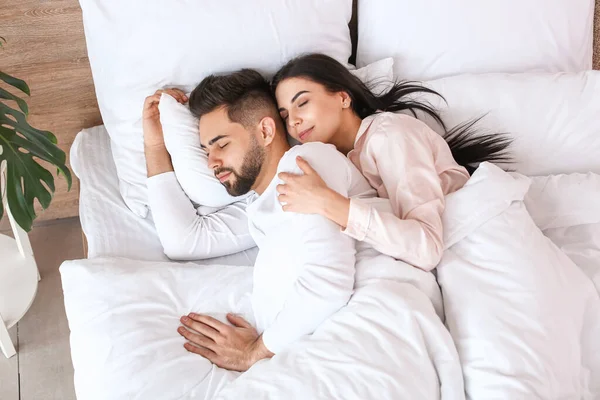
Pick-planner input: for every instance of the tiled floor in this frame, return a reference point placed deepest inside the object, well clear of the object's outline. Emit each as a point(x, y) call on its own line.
point(42, 368)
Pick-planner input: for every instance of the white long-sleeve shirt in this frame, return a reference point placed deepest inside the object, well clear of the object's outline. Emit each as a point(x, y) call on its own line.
point(186, 235)
point(305, 267)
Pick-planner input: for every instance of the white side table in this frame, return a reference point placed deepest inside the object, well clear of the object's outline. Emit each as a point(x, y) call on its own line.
point(19, 276)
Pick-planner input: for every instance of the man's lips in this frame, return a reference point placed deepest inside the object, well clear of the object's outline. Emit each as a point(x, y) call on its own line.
point(304, 134)
point(222, 177)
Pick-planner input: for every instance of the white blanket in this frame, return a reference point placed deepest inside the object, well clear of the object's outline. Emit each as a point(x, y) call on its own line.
point(523, 318)
point(123, 316)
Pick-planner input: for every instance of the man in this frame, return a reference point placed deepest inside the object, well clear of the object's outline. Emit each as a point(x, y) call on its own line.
point(184, 234)
point(305, 268)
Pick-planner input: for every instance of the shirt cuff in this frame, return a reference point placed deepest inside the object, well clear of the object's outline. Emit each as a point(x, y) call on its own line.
point(270, 341)
point(359, 219)
point(160, 179)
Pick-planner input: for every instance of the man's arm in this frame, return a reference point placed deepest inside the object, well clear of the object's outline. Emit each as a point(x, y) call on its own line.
point(184, 234)
point(325, 279)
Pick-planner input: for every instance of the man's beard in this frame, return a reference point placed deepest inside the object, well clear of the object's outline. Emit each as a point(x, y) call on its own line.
point(245, 179)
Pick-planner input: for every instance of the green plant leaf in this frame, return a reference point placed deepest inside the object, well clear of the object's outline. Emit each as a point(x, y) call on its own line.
point(15, 82)
point(26, 179)
point(5, 94)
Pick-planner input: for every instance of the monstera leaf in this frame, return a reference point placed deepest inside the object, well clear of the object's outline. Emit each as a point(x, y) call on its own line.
point(21, 146)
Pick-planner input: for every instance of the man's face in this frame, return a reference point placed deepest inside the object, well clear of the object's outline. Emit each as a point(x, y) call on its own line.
point(234, 153)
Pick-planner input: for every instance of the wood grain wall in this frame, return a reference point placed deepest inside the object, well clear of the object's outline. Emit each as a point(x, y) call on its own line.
point(46, 47)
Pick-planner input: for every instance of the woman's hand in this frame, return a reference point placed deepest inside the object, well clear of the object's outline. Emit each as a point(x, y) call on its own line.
point(309, 194)
point(305, 194)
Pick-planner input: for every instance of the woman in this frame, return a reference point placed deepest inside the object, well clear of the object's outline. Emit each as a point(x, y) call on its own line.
point(401, 157)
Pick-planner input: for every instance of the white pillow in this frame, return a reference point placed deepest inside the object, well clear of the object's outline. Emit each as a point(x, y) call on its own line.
point(567, 209)
point(180, 129)
point(553, 118)
point(136, 47)
point(431, 39)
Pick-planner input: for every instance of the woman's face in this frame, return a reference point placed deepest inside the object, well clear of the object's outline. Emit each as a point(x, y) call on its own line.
point(310, 112)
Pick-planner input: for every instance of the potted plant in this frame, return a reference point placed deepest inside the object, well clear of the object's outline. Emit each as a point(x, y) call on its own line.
point(21, 146)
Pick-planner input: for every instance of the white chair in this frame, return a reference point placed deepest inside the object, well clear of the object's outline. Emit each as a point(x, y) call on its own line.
point(19, 275)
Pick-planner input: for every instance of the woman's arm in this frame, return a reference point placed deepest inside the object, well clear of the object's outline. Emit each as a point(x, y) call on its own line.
point(404, 159)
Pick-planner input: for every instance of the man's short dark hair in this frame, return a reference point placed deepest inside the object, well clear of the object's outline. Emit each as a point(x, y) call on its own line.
point(246, 94)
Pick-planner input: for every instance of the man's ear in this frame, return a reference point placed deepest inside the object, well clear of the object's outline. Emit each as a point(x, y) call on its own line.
point(267, 130)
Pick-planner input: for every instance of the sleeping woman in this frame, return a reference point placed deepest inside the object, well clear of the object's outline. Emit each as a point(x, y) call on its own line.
point(401, 157)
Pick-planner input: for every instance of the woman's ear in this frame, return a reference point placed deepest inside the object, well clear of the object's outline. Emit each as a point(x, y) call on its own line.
point(267, 130)
point(346, 99)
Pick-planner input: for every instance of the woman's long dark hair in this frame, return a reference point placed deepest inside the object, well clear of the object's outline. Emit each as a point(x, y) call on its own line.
point(469, 147)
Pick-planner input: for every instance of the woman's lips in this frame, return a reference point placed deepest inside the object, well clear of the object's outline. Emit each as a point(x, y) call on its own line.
point(304, 134)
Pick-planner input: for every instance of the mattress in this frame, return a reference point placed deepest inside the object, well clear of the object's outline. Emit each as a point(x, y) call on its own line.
point(111, 229)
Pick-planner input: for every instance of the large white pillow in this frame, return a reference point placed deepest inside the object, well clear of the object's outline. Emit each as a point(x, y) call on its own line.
point(567, 209)
point(136, 47)
point(431, 39)
point(553, 118)
point(180, 129)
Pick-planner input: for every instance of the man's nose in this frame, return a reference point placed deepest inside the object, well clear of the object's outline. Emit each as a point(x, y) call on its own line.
point(214, 162)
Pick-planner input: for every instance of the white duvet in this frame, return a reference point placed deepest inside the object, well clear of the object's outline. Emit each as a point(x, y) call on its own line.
point(522, 321)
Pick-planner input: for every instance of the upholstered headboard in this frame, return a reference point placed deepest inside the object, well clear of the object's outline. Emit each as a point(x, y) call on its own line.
point(354, 33)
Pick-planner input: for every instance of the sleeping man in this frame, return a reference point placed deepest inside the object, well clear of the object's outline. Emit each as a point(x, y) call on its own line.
point(306, 268)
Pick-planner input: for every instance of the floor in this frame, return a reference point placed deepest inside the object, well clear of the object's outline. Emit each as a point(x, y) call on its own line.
point(42, 368)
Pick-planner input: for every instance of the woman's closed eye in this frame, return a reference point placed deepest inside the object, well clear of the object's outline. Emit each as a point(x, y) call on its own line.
point(223, 146)
point(303, 103)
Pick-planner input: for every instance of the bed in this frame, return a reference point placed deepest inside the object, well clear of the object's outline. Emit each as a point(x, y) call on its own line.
point(124, 300)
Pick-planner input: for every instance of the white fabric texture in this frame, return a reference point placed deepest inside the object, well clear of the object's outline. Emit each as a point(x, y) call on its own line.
point(553, 118)
point(524, 318)
point(185, 234)
point(137, 47)
point(111, 229)
point(180, 129)
point(567, 209)
point(432, 39)
point(123, 317)
point(128, 310)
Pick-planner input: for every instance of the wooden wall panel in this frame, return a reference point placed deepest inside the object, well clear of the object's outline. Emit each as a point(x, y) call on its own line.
point(46, 47)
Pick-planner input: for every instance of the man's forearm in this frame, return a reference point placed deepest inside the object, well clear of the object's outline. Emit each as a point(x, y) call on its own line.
point(158, 160)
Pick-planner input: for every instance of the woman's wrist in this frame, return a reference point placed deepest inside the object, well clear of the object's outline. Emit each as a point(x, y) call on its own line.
point(336, 208)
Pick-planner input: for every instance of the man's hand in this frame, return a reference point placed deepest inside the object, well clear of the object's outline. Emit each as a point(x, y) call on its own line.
point(153, 134)
point(235, 348)
point(158, 160)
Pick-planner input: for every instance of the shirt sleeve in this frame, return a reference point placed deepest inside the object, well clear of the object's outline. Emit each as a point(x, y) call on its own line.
point(184, 234)
point(404, 159)
point(325, 278)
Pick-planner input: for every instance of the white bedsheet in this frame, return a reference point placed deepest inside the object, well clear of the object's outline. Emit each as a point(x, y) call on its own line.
point(110, 227)
point(524, 320)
